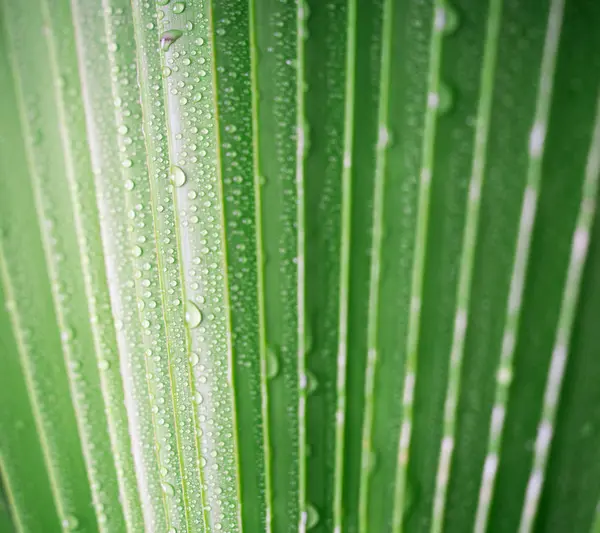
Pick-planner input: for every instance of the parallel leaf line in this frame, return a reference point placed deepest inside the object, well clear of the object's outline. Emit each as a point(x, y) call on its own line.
point(345, 251)
point(226, 291)
point(517, 282)
point(97, 299)
point(260, 263)
point(26, 364)
point(51, 251)
point(571, 291)
point(470, 235)
point(200, 242)
point(376, 259)
point(154, 119)
point(301, 152)
point(418, 268)
point(111, 25)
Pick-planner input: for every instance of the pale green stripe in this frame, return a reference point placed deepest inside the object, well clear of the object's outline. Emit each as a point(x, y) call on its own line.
point(571, 291)
point(345, 240)
point(526, 223)
point(470, 234)
point(260, 263)
point(97, 85)
point(418, 268)
point(375, 275)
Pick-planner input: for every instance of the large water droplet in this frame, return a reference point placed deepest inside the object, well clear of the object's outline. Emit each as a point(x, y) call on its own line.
point(168, 488)
point(70, 523)
point(198, 398)
point(312, 517)
point(194, 358)
point(177, 176)
point(193, 316)
point(272, 363)
point(446, 19)
point(168, 38)
point(311, 382)
point(446, 99)
point(178, 7)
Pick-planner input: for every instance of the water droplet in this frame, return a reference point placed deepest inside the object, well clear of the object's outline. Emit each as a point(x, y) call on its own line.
point(194, 358)
point(272, 363)
point(447, 19)
point(70, 523)
point(103, 364)
point(168, 38)
point(162, 2)
point(129, 185)
point(166, 72)
point(446, 98)
point(178, 7)
point(168, 489)
point(137, 251)
point(311, 382)
point(177, 176)
point(193, 316)
point(172, 530)
point(127, 163)
point(372, 461)
point(312, 517)
point(198, 398)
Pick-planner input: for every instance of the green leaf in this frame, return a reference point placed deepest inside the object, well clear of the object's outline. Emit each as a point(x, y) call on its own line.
point(299, 266)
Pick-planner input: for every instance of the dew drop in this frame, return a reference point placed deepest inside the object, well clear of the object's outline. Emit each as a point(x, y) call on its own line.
point(137, 251)
point(129, 185)
point(311, 383)
point(127, 163)
point(450, 19)
point(194, 358)
point(446, 99)
point(177, 176)
point(172, 530)
point(372, 465)
point(162, 2)
point(70, 523)
point(272, 363)
point(168, 489)
point(193, 316)
point(312, 517)
point(103, 364)
point(198, 398)
point(178, 7)
point(168, 38)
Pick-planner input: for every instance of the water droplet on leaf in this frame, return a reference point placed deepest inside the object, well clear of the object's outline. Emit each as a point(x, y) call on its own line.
point(312, 517)
point(168, 488)
point(178, 7)
point(177, 176)
point(193, 316)
point(272, 363)
point(168, 38)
